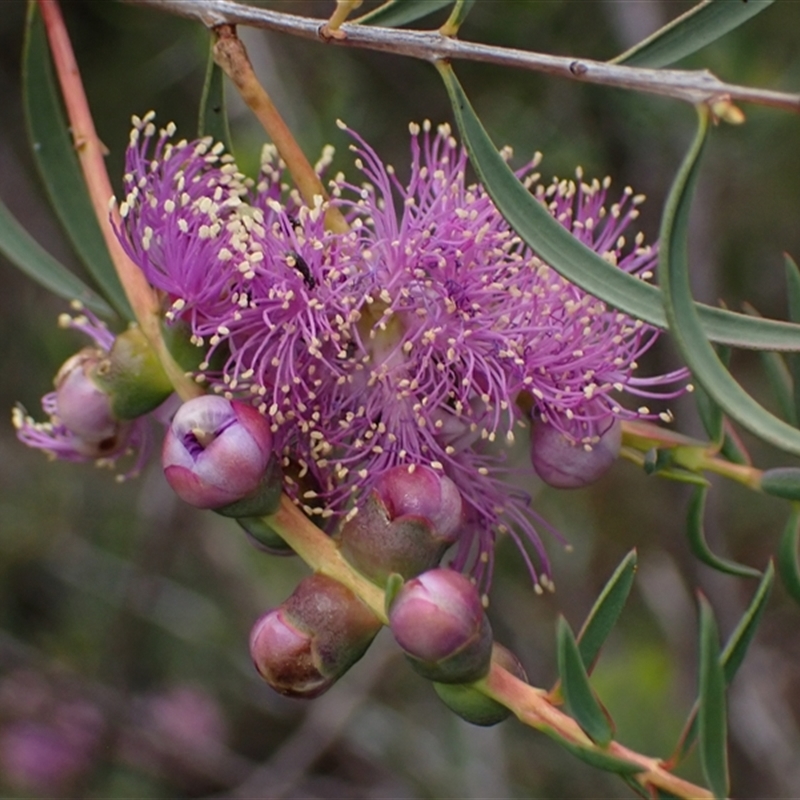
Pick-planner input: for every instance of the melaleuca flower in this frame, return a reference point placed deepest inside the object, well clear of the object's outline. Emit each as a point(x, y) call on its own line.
point(428, 334)
point(81, 424)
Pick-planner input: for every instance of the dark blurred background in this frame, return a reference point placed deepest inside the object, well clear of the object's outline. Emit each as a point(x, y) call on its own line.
point(124, 614)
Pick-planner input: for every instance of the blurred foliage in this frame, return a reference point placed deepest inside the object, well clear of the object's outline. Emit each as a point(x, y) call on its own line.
point(124, 615)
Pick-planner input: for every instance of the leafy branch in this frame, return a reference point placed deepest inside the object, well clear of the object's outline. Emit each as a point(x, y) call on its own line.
point(695, 86)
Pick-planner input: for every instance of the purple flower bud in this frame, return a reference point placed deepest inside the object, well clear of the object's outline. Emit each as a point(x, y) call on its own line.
point(439, 621)
point(567, 464)
point(408, 521)
point(302, 647)
point(216, 451)
point(81, 405)
point(420, 491)
point(473, 705)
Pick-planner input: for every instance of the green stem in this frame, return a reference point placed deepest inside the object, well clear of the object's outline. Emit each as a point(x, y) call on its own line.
point(690, 454)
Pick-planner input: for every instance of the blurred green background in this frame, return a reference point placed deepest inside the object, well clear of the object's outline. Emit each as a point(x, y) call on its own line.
point(124, 614)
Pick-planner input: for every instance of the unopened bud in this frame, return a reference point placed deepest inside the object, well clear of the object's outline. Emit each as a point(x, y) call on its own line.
point(82, 406)
point(565, 464)
point(422, 492)
point(302, 647)
point(473, 705)
point(216, 451)
point(405, 525)
point(439, 621)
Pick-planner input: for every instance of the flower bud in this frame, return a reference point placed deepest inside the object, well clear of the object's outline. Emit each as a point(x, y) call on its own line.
point(81, 405)
point(302, 647)
point(439, 621)
point(565, 464)
point(216, 451)
point(473, 705)
point(422, 492)
point(408, 521)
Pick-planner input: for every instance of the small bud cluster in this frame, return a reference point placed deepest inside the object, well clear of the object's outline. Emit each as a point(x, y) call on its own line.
point(101, 394)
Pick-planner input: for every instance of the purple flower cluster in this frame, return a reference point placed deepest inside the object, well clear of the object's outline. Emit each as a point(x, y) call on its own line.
point(429, 333)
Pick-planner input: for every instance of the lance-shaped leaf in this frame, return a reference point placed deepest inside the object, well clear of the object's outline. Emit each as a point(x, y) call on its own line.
point(213, 119)
point(712, 724)
point(54, 154)
point(788, 565)
point(578, 693)
point(606, 610)
point(22, 250)
point(684, 321)
point(733, 653)
point(597, 758)
point(580, 265)
point(686, 34)
point(793, 294)
point(697, 539)
point(400, 12)
point(457, 17)
point(781, 482)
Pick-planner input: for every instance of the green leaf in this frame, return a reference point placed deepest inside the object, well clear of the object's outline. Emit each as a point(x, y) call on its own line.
point(213, 119)
point(22, 250)
point(691, 31)
point(781, 482)
point(400, 12)
point(734, 651)
point(457, 17)
point(596, 758)
point(788, 566)
point(580, 265)
point(697, 539)
point(55, 157)
point(793, 294)
point(733, 447)
point(736, 647)
point(578, 694)
point(684, 321)
point(711, 715)
point(606, 610)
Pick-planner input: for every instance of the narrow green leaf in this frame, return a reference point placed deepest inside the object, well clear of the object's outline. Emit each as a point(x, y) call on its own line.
point(457, 17)
point(213, 119)
point(697, 539)
point(606, 610)
point(400, 12)
point(596, 758)
point(793, 294)
point(781, 482)
point(580, 265)
point(711, 715)
point(736, 647)
point(778, 377)
point(710, 413)
point(58, 165)
point(578, 694)
point(788, 566)
point(22, 250)
point(733, 447)
point(684, 321)
point(733, 653)
point(686, 34)
point(780, 384)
